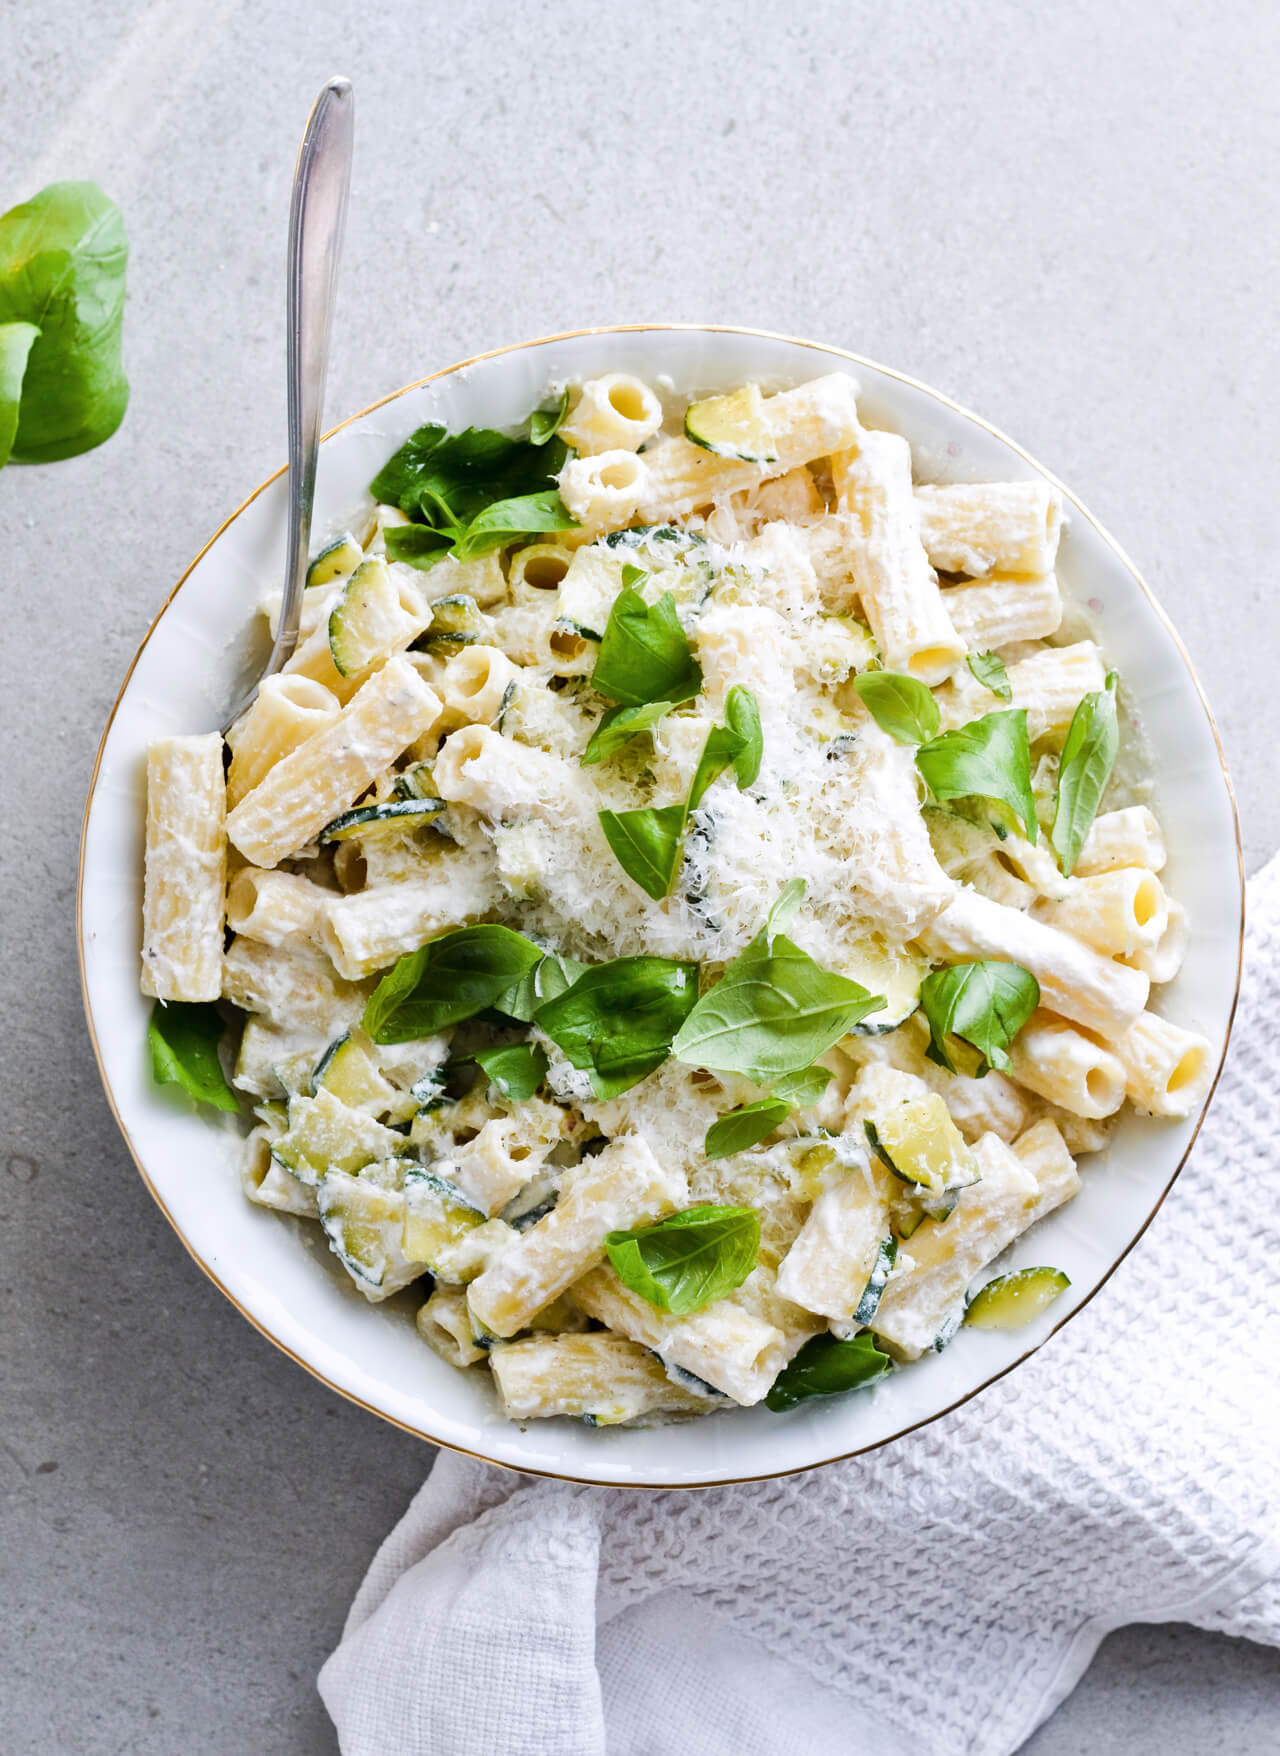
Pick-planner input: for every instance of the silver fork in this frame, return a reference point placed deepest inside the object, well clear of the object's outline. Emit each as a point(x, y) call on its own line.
point(317, 219)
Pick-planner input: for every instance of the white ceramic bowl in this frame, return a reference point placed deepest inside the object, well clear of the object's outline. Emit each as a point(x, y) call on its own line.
point(277, 1270)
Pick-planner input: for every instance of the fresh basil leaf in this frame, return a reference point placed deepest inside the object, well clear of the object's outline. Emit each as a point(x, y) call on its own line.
point(447, 980)
point(618, 726)
point(183, 1038)
point(772, 1013)
point(506, 520)
point(824, 1367)
point(15, 345)
point(544, 424)
point(398, 481)
point(645, 654)
point(985, 1003)
point(721, 751)
point(543, 982)
point(617, 1020)
point(804, 1088)
point(416, 544)
point(689, 1260)
point(646, 844)
point(1088, 756)
point(742, 716)
point(786, 906)
point(62, 268)
point(988, 668)
point(745, 1126)
point(739, 744)
point(989, 758)
point(900, 705)
point(517, 1070)
point(633, 576)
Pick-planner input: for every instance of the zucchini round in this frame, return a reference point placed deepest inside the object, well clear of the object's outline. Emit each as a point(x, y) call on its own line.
point(393, 815)
point(735, 426)
point(337, 558)
point(1012, 1300)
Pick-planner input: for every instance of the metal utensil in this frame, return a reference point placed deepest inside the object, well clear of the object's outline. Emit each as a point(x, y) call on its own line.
point(317, 218)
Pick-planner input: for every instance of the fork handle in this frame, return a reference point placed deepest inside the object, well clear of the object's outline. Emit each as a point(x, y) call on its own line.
point(317, 219)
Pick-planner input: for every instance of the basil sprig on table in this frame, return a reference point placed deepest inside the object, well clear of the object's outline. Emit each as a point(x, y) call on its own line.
point(1088, 757)
point(62, 266)
point(517, 1069)
point(690, 1259)
point(900, 705)
point(448, 980)
point(775, 1010)
point(646, 842)
point(645, 654)
point(990, 759)
point(470, 492)
point(749, 1123)
point(618, 1019)
point(988, 668)
point(824, 1367)
point(183, 1038)
point(985, 1003)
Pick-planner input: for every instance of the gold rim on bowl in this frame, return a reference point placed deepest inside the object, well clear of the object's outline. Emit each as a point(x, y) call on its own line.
point(631, 329)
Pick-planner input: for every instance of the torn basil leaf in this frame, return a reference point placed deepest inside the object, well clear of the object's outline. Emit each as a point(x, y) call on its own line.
point(183, 1038)
point(646, 844)
point(645, 655)
point(825, 1366)
point(447, 980)
point(517, 1070)
point(900, 705)
point(774, 1011)
point(618, 1019)
point(990, 758)
point(1088, 757)
point(690, 1259)
point(985, 1003)
point(988, 668)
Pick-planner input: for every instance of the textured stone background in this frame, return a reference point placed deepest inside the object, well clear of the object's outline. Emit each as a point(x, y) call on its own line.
point(1065, 217)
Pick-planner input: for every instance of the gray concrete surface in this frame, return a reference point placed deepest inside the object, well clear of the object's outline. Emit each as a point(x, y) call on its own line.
point(1066, 217)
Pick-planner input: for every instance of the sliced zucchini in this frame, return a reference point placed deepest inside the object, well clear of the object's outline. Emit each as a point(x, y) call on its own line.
point(664, 539)
point(364, 1224)
point(347, 1070)
point(343, 555)
point(881, 1268)
point(428, 1093)
point(324, 1134)
point(438, 1220)
point(736, 425)
point(367, 619)
point(417, 782)
point(920, 1143)
point(888, 970)
point(1012, 1300)
point(457, 621)
point(393, 817)
point(907, 1223)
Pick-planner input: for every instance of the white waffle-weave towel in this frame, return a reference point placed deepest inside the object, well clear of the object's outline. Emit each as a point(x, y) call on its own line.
point(937, 1597)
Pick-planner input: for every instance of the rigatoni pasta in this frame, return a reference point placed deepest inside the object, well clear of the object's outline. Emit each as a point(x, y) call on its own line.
point(679, 940)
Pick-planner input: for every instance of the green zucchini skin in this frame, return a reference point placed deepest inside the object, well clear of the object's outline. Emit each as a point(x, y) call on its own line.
point(393, 814)
point(1012, 1300)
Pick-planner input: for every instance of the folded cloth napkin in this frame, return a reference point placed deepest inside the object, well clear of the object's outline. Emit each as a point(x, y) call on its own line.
point(941, 1595)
